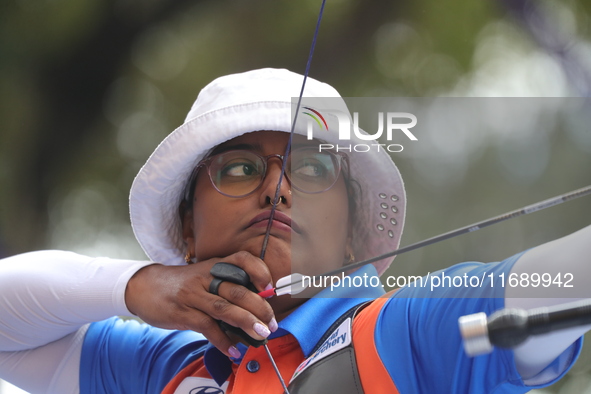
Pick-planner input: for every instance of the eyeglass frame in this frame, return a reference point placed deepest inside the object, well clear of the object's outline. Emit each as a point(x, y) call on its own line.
point(189, 193)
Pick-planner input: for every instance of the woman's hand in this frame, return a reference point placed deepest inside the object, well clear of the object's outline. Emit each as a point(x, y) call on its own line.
point(177, 297)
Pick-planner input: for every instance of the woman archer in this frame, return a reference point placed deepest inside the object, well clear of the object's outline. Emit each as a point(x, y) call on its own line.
point(205, 196)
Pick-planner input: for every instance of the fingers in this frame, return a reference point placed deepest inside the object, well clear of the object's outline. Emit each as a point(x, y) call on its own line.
point(242, 308)
point(177, 297)
point(252, 314)
point(234, 304)
point(257, 270)
point(239, 306)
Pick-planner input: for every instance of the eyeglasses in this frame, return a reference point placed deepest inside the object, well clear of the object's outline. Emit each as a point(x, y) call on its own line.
point(238, 173)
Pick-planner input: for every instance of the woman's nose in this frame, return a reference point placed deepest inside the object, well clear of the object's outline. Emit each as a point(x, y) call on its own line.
point(269, 186)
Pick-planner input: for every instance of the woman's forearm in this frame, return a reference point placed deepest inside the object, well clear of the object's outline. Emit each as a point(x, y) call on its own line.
point(47, 295)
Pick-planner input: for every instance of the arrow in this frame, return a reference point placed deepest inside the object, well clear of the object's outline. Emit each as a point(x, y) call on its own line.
point(293, 284)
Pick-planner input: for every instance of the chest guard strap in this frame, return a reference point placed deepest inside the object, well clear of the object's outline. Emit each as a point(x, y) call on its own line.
point(332, 367)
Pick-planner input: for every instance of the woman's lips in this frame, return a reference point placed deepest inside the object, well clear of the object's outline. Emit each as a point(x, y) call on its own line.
point(280, 221)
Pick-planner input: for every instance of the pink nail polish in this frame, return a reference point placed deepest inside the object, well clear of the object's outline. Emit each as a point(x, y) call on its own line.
point(273, 325)
point(268, 287)
point(234, 352)
point(261, 329)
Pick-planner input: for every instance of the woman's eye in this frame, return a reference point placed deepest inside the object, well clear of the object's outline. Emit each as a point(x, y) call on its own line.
point(239, 169)
point(310, 169)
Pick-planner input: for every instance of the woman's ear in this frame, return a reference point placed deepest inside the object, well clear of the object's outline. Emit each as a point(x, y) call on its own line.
point(186, 214)
point(349, 254)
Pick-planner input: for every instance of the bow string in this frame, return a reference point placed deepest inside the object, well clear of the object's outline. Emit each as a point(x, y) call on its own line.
point(293, 125)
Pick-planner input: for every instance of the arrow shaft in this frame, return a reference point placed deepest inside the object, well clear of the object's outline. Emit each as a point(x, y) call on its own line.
point(463, 230)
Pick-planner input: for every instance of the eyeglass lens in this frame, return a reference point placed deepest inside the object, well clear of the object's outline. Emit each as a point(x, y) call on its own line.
point(238, 173)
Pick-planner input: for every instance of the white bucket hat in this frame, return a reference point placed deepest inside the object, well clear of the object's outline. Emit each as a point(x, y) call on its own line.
point(241, 103)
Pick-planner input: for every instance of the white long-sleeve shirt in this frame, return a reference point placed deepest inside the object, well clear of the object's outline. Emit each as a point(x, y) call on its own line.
point(47, 298)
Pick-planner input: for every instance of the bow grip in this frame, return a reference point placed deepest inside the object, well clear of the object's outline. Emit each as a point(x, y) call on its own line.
point(226, 272)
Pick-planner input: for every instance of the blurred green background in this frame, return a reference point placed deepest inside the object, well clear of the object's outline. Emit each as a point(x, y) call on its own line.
point(89, 88)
